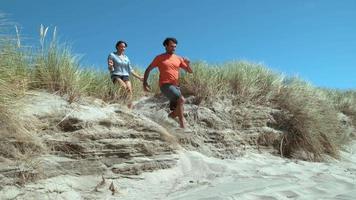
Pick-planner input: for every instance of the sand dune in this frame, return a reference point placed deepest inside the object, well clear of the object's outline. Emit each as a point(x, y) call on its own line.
point(252, 176)
point(130, 150)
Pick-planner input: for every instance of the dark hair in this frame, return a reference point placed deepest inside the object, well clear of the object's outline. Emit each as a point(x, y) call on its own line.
point(120, 42)
point(166, 41)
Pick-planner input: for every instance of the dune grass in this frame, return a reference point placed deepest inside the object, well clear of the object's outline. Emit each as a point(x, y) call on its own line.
point(56, 70)
point(308, 119)
point(15, 140)
point(14, 67)
point(245, 81)
point(205, 82)
point(98, 84)
point(344, 102)
point(252, 82)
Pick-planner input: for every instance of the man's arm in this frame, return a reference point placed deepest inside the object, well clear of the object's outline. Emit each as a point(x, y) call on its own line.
point(146, 87)
point(187, 65)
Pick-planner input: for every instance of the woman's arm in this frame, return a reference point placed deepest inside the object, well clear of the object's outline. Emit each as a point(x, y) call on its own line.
point(110, 65)
point(136, 75)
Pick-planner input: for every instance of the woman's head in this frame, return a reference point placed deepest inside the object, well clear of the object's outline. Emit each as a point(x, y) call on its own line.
point(121, 46)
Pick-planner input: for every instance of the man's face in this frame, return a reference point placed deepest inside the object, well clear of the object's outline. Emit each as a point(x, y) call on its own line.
point(171, 47)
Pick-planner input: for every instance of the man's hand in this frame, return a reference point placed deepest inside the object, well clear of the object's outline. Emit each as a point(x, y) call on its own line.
point(146, 87)
point(186, 60)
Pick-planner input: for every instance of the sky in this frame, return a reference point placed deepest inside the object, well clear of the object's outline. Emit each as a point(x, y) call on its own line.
point(312, 39)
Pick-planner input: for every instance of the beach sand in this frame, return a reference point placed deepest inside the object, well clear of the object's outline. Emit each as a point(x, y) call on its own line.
point(251, 176)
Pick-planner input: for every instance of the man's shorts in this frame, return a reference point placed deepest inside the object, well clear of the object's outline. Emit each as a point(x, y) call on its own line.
point(173, 93)
point(114, 77)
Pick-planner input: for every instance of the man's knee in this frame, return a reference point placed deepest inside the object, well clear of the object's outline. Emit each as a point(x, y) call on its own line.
point(181, 100)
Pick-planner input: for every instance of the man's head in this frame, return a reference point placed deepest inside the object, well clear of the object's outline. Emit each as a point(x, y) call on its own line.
point(170, 44)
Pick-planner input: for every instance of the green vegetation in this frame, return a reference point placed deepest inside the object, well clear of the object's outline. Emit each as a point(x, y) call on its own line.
point(15, 140)
point(344, 102)
point(309, 117)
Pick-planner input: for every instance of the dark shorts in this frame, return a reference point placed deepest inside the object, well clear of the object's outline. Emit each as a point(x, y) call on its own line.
point(114, 77)
point(173, 93)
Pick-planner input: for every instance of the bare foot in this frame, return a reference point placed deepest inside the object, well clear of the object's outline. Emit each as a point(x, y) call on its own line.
point(172, 115)
point(129, 105)
point(182, 126)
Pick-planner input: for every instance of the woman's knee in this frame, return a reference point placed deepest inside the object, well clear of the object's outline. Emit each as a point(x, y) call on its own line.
point(120, 83)
point(128, 89)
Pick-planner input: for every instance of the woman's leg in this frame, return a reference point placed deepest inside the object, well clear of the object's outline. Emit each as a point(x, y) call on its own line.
point(121, 83)
point(121, 86)
point(129, 93)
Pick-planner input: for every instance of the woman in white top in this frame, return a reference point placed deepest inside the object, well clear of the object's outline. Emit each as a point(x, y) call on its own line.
point(120, 69)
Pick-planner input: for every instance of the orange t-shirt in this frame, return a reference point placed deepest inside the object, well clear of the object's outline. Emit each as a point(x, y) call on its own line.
point(168, 66)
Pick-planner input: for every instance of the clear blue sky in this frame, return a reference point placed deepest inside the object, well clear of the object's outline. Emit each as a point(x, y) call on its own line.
point(314, 39)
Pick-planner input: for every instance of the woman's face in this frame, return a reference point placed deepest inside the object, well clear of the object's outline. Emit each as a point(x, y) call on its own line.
point(121, 47)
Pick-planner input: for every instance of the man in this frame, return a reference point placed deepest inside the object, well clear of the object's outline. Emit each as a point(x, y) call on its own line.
point(168, 65)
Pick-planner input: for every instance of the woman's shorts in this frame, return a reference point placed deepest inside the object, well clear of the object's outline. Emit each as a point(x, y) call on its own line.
point(114, 77)
point(173, 93)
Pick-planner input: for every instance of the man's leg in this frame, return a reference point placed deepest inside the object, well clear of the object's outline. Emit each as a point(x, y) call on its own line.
point(173, 93)
point(172, 107)
point(180, 111)
point(172, 114)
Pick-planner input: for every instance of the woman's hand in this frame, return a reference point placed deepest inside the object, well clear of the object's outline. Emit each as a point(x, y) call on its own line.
point(111, 65)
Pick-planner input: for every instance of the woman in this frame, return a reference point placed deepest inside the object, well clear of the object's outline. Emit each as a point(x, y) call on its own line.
point(120, 69)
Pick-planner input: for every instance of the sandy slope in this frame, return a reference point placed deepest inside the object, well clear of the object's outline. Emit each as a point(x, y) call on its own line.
point(252, 176)
point(193, 174)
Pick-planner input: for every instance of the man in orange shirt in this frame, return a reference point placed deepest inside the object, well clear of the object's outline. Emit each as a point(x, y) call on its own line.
point(168, 65)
